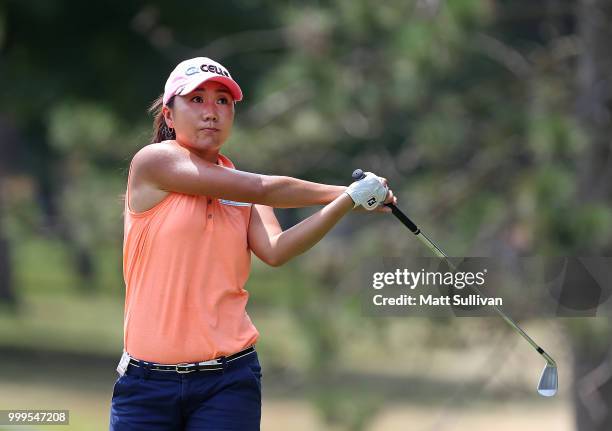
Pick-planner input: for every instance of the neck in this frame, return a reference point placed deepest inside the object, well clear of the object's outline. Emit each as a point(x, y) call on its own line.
point(211, 156)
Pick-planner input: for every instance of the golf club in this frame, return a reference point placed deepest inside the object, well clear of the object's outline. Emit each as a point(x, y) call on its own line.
point(549, 381)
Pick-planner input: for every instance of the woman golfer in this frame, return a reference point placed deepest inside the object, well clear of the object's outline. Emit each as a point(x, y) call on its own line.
point(191, 223)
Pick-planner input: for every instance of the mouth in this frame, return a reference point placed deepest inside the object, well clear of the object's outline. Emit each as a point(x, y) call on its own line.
point(209, 129)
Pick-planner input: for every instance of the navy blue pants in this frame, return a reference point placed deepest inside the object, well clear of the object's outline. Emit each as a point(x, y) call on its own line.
point(203, 400)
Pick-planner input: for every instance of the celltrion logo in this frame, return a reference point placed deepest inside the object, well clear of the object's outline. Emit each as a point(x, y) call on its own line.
point(211, 68)
point(192, 71)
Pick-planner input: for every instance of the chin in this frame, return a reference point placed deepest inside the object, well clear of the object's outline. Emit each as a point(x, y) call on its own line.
point(207, 145)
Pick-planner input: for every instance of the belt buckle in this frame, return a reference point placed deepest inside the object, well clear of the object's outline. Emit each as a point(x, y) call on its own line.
point(216, 361)
point(183, 364)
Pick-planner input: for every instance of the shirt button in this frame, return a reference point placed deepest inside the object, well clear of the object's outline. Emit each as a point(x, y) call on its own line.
point(209, 215)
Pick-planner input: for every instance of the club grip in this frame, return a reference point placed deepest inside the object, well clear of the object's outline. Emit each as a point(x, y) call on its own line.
point(404, 219)
point(358, 174)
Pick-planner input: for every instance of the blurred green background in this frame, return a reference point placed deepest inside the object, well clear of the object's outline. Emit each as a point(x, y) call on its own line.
point(491, 120)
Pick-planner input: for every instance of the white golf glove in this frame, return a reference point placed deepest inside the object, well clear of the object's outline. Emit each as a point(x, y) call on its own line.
point(369, 192)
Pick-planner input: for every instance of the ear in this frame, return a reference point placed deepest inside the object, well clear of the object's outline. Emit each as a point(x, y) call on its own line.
point(167, 113)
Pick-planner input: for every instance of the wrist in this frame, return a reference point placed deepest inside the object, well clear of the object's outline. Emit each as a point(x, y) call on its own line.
point(346, 193)
point(337, 191)
point(346, 201)
point(332, 193)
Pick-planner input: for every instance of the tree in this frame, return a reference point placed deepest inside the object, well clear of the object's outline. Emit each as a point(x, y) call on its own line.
point(591, 345)
point(8, 146)
point(62, 58)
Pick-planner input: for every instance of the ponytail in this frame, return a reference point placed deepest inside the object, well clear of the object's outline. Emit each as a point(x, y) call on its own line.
point(161, 131)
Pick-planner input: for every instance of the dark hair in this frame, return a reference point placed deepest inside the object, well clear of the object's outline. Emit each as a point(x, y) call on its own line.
point(161, 131)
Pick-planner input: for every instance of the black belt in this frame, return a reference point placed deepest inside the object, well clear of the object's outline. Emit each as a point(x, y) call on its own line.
point(189, 367)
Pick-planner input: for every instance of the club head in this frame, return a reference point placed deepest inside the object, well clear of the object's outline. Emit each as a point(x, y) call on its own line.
point(549, 381)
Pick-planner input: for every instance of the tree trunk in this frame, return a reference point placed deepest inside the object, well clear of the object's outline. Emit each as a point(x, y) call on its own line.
point(8, 149)
point(592, 388)
point(594, 107)
point(7, 294)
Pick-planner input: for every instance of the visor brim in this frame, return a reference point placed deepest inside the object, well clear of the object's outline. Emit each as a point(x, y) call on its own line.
point(231, 85)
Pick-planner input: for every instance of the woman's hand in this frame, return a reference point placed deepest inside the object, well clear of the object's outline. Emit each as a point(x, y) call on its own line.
point(369, 191)
point(391, 198)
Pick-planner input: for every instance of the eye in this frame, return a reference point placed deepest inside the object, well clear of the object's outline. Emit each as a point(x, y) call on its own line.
point(197, 99)
point(222, 101)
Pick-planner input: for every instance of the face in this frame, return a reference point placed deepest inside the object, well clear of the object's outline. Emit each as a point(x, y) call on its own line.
point(202, 119)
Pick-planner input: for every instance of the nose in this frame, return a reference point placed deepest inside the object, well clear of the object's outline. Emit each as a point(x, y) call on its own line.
point(210, 116)
point(209, 113)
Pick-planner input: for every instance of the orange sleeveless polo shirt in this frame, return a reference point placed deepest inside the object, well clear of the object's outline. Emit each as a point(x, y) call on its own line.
point(185, 264)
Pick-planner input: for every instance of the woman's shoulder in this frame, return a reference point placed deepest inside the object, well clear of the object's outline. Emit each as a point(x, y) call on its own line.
point(143, 195)
point(157, 153)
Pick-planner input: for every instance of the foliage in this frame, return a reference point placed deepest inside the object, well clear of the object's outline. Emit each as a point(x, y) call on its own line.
point(468, 107)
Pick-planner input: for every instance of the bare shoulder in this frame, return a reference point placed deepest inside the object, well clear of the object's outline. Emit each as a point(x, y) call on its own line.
point(144, 193)
point(156, 155)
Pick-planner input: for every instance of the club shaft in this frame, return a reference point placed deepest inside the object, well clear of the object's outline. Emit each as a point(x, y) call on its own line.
point(439, 253)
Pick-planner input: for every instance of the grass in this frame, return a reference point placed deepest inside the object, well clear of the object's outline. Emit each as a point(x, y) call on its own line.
point(467, 376)
point(65, 322)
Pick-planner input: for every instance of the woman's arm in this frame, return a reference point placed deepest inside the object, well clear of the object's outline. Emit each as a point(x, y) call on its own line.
point(275, 246)
point(174, 169)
